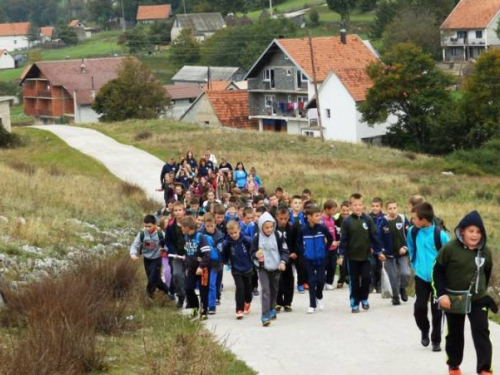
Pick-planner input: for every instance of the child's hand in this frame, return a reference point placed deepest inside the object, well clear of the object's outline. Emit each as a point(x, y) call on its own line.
point(336, 244)
point(199, 271)
point(293, 256)
point(445, 302)
point(403, 250)
point(382, 258)
point(340, 261)
point(260, 255)
point(282, 267)
point(135, 258)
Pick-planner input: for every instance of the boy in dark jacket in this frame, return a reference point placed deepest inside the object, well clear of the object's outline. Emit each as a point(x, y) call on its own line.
point(289, 233)
point(236, 251)
point(174, 239)
point(359, 236)
point(376, 264)
point(297, 219)
point(313, 242)
point(195, 248)
point(465, 264)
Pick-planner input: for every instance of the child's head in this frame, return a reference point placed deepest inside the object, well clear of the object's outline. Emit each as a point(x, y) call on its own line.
point(357, 205)
point(414, 200)
point(178, 210)
point(273, 200)
point(189, 225)
point(259, 211)
point(267, 227)
point(248, 215)
point(232, 209)
point(307, 204)
point(258, 201)
point(209, 221)
point(313, 214)
point(233, 229)
point(150, 223)
point(219, 214)
point(423, 215)
point(306, 195)
point(210, 196)
point(329, 208)
point(392, 208)
point(188, 195)
point(296, 203)
point(345, 209)
point(282, 217)
point(179, 189)
point(194, 204)
point(472, 232)
point(377, 205)
point(279, 193)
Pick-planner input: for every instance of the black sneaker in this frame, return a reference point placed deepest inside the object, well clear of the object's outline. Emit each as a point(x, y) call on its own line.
point(404, 296)
point(425, 340)
point(436, 347)
point(256, 292)
point(218, 302)
point(180, 303)
point(396, 302)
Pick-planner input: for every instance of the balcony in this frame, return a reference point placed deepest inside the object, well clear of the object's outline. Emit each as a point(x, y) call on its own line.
point(461, 42)
point(30, 92)
point(43, 112)
point(33, 93)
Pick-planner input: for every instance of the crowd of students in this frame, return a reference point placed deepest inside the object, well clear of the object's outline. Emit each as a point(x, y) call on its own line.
point(216, 216)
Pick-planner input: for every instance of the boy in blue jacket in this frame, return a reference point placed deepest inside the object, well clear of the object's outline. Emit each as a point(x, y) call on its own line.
point(424, 241)
point(313, 242)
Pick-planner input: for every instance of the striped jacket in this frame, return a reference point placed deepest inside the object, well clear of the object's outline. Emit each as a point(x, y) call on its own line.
point(313, 243)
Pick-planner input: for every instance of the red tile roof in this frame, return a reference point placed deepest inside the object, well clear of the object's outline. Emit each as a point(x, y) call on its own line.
point(11, 29)
point(69, 74)
point(348, 61)
point(47, 31)
point(184, 91)
point(74, 23)
point(231, 107)
point(153, 12)
point(218, 85)
point(472, 14)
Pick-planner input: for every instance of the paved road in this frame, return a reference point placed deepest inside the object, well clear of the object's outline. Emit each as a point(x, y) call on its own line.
point(383, 341)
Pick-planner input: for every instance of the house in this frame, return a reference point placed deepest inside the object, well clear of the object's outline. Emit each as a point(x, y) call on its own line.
point(55, 90)
point(46, 33)
point(153, 13)
point(280, 87)
point(470, 29)
point(201, 74)
point(14, 36)
point(6, 60)
point(221, 108)
point(181, 97)
point(203, 25)
point(80, 29)
point(5, 103)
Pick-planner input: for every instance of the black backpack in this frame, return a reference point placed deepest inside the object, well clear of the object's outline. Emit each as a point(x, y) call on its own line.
point(437, 239)
point(160, 237)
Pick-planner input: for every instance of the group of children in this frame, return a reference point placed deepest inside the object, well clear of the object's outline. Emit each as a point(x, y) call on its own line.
point(261, 238)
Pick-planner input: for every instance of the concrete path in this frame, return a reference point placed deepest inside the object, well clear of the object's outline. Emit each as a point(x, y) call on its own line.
point(382, 341)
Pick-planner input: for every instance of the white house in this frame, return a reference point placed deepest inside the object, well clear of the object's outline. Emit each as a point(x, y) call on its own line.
point(203, 25)
point(5, 103)
point(6, 60)
point(46, 33)
point(470, 29)
point(14, 36)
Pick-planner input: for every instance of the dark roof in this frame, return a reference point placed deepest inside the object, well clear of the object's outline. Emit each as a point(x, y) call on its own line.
point(183, 91)
point(201, 22)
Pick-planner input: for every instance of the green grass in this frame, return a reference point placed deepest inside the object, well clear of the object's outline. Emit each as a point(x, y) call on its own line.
point(327, 15)
point(11, 74)
point(287, 6)
point(18, 117)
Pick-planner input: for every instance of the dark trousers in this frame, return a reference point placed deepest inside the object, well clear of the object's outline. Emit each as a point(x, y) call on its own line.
point(190, 283)
point(244, 288)
point(269, 284)
point(359, 281)
point(255, 278)
point(316, 281)
point(375, 272)
point(300, 266)
point(424, 293)
point(285, 291)
point(220, 275)
point(153, 273)
point(331, 266)
point(478, 319)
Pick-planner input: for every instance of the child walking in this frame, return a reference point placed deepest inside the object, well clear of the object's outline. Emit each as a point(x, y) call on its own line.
point(328, 220)
point(298, 220)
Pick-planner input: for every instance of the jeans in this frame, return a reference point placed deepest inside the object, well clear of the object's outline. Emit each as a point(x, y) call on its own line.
point(316, 281)
point(359, 281)
point(243, 293)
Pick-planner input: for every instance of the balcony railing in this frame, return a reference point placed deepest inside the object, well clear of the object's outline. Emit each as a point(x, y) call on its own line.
point(460, 42)
point(44, 93)
point(43, 112)
point(31, 92)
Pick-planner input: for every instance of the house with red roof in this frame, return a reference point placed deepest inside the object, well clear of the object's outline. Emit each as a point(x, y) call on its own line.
point(55, 90)
point(282, 96)
point(470, 29)
point(47, 33)
point(14, 36)
point(153, 13)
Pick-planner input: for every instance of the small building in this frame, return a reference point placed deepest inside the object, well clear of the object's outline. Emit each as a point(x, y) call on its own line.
point(470, 29)
point(80, 29)
point(55, 90)
point(46, 34)
point(5, 103)
point(153, 13)
point(181, 97)
point(200, 75)
point(14, 36)
point(203, 25)
point(221, 108)
point(6, 60)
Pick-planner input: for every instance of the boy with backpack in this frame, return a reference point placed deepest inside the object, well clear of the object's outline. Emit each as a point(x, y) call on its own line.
point(197, 264)
point(328, 220)
point(151, 244)
point(215, 239)
point(424, 241)
point(313, 242)
point(359, 236)
point(247, 223)
point(345, 211)
point(298, 220)
point(236, 252)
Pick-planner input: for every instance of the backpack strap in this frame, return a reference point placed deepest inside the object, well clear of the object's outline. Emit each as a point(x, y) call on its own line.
point(413, 234)
point(437, 238)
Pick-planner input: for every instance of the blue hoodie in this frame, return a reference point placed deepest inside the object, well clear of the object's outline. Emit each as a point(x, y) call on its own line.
point(426, 254)
point(313, 242)
point(238, 254)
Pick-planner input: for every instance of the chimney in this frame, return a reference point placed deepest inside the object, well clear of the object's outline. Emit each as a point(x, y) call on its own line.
point(343, 36)
point(83, 68)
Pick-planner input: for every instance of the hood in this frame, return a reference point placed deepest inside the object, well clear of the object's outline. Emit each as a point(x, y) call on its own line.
point(266, 216)
point(472, 218)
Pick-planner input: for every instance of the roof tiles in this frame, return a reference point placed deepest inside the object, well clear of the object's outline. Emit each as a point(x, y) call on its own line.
point(153, 12)
point(183, 91)
point(15, 29)
point(231, 107)
point(472, 14)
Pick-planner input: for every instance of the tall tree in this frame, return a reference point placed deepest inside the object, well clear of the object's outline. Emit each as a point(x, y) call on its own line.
point(342, 7)
point(101, 11)
point(185, 49)
point(136, 39)
point(135, 94)
point(411, 89)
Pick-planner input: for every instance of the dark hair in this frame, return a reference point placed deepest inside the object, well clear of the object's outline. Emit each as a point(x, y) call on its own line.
point(416, 199)
point(189, 222)
point(257, 199)
point(262, 191)
point(345, 204)
point(278, 189)
point(194, 201)
point(378, 200)
point(261, 209)
point(308, 204)
point(233, 199)
point(149, 219)
point(329, 205)
point(356, 196)
point(423, 211)
point(390, 201)
point(311, 210)
point(306, 191)
point(282, 211)
point(296, 197)
point(243, 166)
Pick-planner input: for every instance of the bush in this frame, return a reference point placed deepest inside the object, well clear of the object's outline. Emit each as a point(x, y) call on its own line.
point(313, 16)
point(9, 140)
point(143, 135)
point(485, 158)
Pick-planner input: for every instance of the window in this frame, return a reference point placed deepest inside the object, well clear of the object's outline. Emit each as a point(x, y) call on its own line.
point(269, 101)
point(288, 72)
point(286, 57)
point(456, 51)
point(479, 34)
point(301, 78)
point(267, 74)
point(328, 113)
point(461, 34)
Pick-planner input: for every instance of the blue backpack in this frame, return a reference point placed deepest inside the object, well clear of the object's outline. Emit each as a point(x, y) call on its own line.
point(214, 251)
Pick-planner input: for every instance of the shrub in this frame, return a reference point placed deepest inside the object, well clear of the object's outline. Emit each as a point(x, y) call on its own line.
point(22, 167)
point(313, 16)
point(9, 140)
point(143, 135)
point(485, 158)
point(410, 155)
point(425, 190)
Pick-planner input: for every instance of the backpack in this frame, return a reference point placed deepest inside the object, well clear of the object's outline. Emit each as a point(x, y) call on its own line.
point(160, 237)
point(437, 239)
point(214, 251)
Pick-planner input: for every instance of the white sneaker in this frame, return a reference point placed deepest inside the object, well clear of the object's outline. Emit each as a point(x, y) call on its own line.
point(320, 303)
point(311, 310)
point(329, 287)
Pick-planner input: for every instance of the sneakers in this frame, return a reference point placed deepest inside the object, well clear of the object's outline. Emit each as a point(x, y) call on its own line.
point(211, 311)
point(204, 317)
point(288, 308)
point(278, 308)
point(256, 292)
point(246, 309)
point(239, 315)
point(396, 302)
point(404, 295)
point(365, 305)
point(320, 303)
point(355, 309)
point(217, 302)
point(425, 341)
point(311, 310)
point(486, 373)
point(436, 347)
point(266, 321)
point(272, 314)
point(306, 286)
point(340, 285)
point(329, 287)
point(455, 371)
point(300, 289)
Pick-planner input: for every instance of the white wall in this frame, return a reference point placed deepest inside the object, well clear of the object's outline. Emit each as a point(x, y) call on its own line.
point(491, 35)
point(175, 111)
point(294, 126)
point(85, 114)
point(5, 114)
point(7, 61)
point(176, 30)
point(202, 113)
point(13, 43)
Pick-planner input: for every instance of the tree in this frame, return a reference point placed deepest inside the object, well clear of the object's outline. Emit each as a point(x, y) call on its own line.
point(67, 35)
point(185, 49)
point(136, 39)
point(313, 16)
point(101, 11)
point(367, 5)
point(410, 88)
point(159, 32)
point(385, 13)
point(135, 94)
point(342, 7)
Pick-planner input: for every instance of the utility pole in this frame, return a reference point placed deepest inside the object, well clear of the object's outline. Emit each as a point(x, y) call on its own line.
point(184, 3)
point(318, 107)
point(124, 24)
point(271, 7)
point(208, 78)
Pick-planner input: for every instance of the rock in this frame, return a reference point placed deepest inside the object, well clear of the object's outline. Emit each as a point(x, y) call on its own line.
point(21, 220)
point(86, 236)
point(32, 249)
point(4, 220)
point(445, 173)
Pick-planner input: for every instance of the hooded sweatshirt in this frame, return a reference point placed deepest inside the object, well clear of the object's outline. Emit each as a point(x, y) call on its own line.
point(150, 247)
point(275, 251)
point(238, 254)
point(456, 264)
